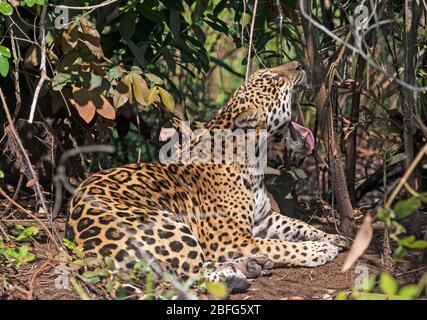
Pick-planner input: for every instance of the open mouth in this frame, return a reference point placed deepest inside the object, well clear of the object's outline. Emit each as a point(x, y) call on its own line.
point(302, 135)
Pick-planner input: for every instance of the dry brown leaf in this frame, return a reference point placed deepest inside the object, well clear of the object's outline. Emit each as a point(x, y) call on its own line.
point(360, 243)
point(31, 182)
point(96, 50)
point(90, 38)
point(127, 80)
point(84, 104)
point(89, 28)
point(33, 56)
point(69, 38)
point(106, 109)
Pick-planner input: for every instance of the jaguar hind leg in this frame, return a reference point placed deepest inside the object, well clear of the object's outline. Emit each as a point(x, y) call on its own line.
point(161, 240)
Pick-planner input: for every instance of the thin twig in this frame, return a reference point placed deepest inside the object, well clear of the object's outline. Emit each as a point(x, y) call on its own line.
point(411, 168)
point(16, 59)
point(27, 212)
point(3, 231)
point(279, 8)
point(15, 195)
point(96, 6)
point(43, 75)
point(251, 40)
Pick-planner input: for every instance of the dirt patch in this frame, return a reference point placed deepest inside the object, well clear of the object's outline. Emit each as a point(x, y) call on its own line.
point(301, 283)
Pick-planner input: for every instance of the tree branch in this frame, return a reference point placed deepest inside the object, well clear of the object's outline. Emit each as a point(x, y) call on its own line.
point(43, 75)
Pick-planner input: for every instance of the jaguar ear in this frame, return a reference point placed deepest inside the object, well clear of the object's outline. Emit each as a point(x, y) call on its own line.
point(249, 119)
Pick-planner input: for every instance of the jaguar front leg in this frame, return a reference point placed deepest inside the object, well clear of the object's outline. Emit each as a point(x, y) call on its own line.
point(278, 226)
point(283, 253)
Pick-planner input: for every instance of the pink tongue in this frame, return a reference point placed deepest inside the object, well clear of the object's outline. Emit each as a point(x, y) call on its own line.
point(306, 134)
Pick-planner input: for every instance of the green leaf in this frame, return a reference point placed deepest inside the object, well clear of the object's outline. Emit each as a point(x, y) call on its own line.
point(407, 241)
point(399, 252)
point(199, 33)
point(170, 61)
point(166, 98)
point(73, 247)
point(109, 286)
point(31, 3)
point(408, 292)
point(245, 19)
point(169, 295)
point(20, 256)
point(423, 197)
point(121, 294)
point(27, 234)
point(298, 174)
point(226, 66)
point(368, 284)
point(69, 244)
point(96, 273)
point(91, 80)
point(388, 284)
point(1, 174)
point(109, 262)
point(4, 66)
point(140, 89)
point(175, 22)
point(405, 208)
point(60, 81)
point(5, 52)
point(90, 279)
point(154, 78)
point(384, 213)
point(218, 290)
point(5, 8)
point(419, 244)
point(341, 296)
point(199, 9)
point(79, 289)
point(127, 25)
point(138, 52)
point(114, 73)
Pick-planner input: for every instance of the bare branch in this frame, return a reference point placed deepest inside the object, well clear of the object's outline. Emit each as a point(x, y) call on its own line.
point(251, 40)
point(95, 6)
point(43, 75)
point(390, 76)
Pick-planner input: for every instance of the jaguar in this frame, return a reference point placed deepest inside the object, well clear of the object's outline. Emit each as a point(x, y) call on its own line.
point(205, 218)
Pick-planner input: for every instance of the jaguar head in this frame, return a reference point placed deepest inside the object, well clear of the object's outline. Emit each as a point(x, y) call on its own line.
point(265, 100)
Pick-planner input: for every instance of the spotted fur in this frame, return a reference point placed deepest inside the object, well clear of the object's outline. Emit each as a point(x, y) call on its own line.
point(203, 217)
